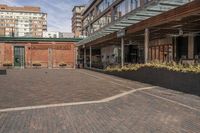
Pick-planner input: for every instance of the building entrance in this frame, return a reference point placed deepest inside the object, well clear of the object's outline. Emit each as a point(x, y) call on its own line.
point(182, 48)
point(19, 56)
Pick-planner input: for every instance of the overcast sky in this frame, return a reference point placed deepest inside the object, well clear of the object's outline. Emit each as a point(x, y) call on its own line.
point(59, 11)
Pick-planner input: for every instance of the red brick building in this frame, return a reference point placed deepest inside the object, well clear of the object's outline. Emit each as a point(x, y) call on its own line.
point(37, 52)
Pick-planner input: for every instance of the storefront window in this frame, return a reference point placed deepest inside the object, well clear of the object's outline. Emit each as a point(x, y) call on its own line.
point(160, 53)
point(197, 47)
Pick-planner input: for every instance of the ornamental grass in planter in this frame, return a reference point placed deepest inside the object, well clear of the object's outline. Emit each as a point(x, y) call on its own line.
point(63, 65)
point(7, 65)
point(37, 64)
point(171, 66)
point(179, 77)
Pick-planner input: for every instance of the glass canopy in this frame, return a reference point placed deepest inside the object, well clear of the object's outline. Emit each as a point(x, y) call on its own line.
point(153, 8)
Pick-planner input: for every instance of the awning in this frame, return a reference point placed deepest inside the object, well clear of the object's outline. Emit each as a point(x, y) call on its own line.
point(153, 8)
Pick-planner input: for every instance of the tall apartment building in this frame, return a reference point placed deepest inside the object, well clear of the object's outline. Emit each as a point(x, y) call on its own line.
point(77, 20)
point(138, 31)
point(24, 21)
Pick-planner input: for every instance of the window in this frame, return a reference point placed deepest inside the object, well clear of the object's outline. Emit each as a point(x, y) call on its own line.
point(86, 21)
point(145, 1)
point(100, 7)
point(109, 2)
point(92, 15)
point(104, 5)
point(133, 5)
point(125, 7)
point(103, 21)
point(120, 10)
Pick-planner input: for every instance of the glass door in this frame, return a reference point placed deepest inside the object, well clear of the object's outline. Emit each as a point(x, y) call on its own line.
point(19, 56)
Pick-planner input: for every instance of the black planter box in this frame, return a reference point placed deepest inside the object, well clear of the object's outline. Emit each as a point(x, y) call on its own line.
point(184, 82)
point(37, 65)
point(3, 72)
point(62, 65)
point(8, 65)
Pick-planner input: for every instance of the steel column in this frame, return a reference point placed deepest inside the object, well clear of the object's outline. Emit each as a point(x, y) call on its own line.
point(84, 57)
point(122, 51)
point(90, 56)
point(146, 45)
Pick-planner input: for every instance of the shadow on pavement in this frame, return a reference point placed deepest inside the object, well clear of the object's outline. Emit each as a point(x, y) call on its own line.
point(183, 82)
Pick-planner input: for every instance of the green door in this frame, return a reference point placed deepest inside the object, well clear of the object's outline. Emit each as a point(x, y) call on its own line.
point(19, 56)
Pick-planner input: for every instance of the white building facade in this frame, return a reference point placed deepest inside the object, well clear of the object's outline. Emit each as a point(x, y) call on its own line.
point(51, 34)
point(22, 23)
point(56, 34)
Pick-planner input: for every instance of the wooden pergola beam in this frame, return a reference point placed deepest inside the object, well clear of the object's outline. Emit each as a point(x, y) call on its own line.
point(167, 17)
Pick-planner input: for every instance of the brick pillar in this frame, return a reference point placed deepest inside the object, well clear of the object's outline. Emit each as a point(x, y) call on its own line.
point(74, 55)
point(50, 58)
point(25, 55)
point(31, 58)
point(4, 54)
point(1, 55)
point(12, 55)
point(54, 51)
point(29, 55)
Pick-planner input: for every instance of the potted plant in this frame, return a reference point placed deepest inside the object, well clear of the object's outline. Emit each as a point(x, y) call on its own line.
point(62, 64)
point(37, 64)
point(8, 65)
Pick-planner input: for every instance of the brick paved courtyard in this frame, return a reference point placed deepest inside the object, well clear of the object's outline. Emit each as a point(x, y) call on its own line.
point(82, 101)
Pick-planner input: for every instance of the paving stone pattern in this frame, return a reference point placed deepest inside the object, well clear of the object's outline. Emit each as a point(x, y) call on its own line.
point(28, 87)
point(139, 112)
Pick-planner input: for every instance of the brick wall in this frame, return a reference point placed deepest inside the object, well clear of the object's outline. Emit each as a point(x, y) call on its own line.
point(6, 54)
point(47, 54)
point(23, 8)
